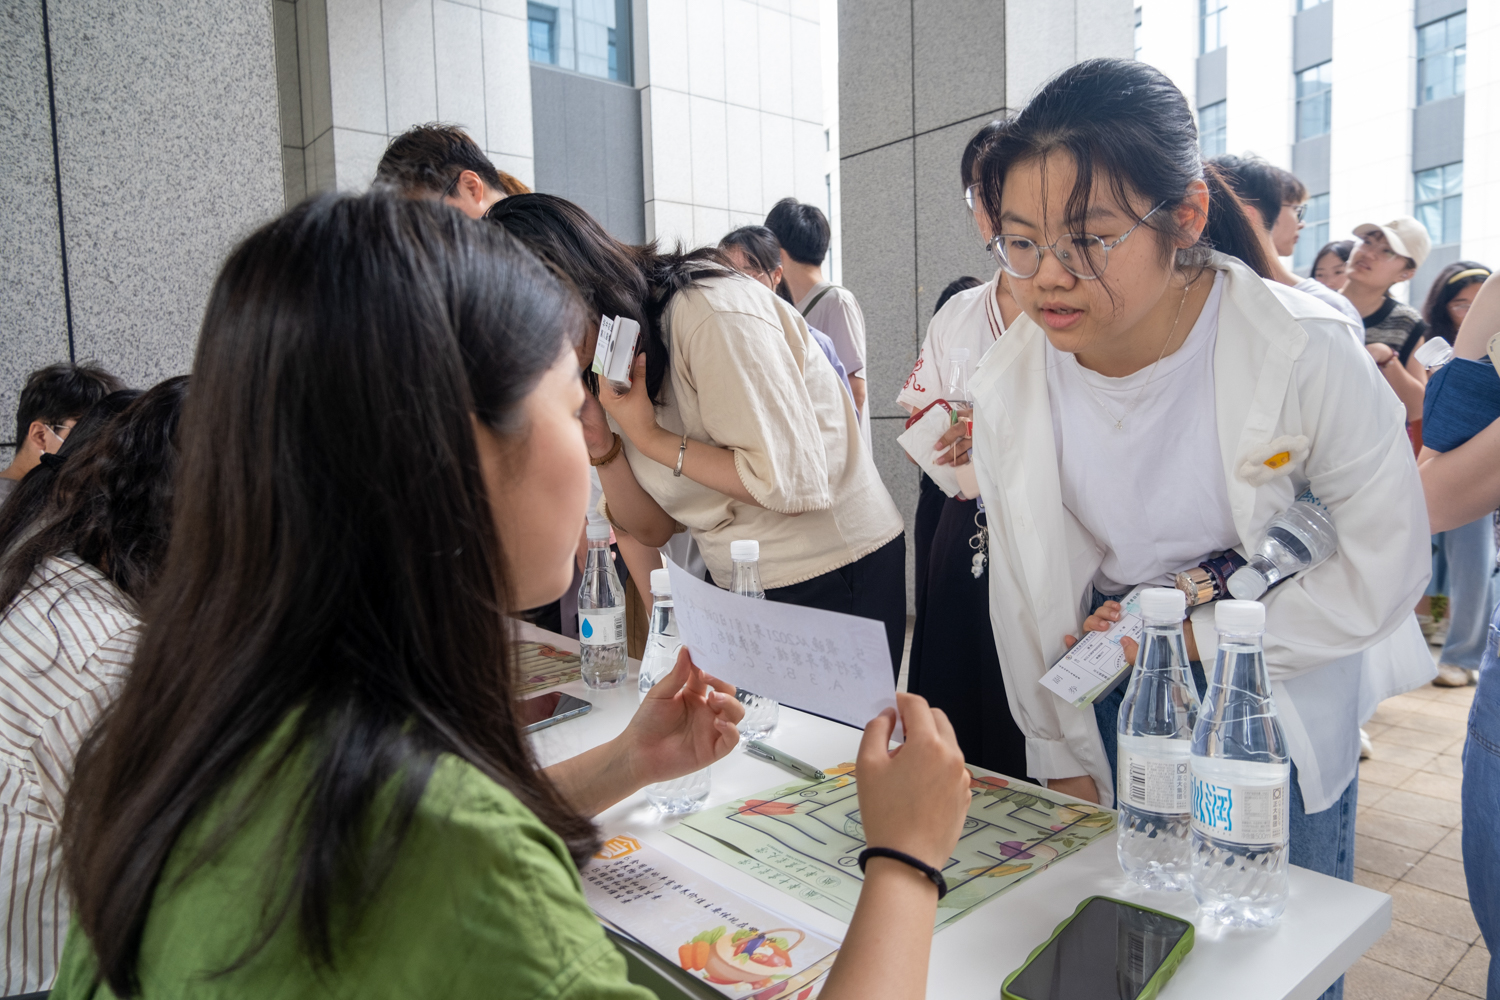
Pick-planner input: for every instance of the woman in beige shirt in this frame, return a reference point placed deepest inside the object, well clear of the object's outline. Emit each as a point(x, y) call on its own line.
point(736, 425)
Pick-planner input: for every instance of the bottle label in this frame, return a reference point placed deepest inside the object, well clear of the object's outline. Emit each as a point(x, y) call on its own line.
point(1160, 782)
point(601, 626)
point(1241, 814)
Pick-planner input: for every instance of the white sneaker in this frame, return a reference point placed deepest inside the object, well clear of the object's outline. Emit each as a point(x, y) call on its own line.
point(1451, 677)
point(1366, 748)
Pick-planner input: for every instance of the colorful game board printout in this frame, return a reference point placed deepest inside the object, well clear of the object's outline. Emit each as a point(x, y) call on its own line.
point(805, 839)
point(541, 666)
point(708, 931)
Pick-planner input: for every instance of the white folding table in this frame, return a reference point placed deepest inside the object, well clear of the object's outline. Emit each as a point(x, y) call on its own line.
point(1328, 923)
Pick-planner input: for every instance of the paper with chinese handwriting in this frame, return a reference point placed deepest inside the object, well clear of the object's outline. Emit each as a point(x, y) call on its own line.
point(833, 665)
point(711, 933)
point(805, 838)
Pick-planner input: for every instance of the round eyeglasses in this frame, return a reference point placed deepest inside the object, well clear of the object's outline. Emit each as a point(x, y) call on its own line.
point(970, 193)
point(1083, 254)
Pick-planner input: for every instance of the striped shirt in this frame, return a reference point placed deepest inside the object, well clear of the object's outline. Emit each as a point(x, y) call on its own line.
point(65, 645)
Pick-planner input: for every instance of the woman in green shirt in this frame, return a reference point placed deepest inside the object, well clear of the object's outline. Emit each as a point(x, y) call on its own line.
point(314, 782)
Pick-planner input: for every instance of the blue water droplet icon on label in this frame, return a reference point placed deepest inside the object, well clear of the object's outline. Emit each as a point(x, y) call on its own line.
point(587, 630)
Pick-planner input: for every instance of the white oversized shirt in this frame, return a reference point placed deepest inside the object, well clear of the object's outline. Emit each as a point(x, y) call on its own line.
point(969, 320)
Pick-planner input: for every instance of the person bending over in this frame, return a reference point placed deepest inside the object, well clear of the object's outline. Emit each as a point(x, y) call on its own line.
point(442, 161)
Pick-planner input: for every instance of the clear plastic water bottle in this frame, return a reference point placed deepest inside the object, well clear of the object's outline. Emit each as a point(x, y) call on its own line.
point(1434, 354)
point(1241, 780)
point(1157, 718)
point(956, 379)
point(601, 613)
point(685, 794)
point(1299, 538)
point(663, 642)
point(761, 714)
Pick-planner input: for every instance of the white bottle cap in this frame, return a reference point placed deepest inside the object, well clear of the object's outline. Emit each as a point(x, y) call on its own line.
point(1239, 617)
point(598, 530)
point(744, 550)
point(958, 354)
point(661, 583)
point(1163, 604)
point(1247, 584)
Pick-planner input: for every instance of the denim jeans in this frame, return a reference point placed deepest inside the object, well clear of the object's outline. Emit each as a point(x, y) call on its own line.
point(1463, 567)
point(1323, 841)
point(1481, 803)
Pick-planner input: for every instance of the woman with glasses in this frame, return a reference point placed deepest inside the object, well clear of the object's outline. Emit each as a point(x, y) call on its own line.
point(1463, 559)
point(953, 662)
point(1156, 404)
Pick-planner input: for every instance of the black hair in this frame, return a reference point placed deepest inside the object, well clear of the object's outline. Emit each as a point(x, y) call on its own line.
point(1293, 191)
point(976, 145)
point(1340, 248)
point(1259, 184)
point(1124, 124)
point(111, 503)
point(954, 287)
point(1445, 287)
point(335, 560)
point(759, 245)
point(428, 159)
point(62, 392)
point(614, 278)
point(801, 228)
point(31, 495)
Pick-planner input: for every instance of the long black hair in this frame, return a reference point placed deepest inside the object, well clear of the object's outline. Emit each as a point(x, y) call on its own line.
point(1127, 126)
point(1445, 287)
point(32, 494)
point(614, 278)
point(334, 559)
point(110, 500)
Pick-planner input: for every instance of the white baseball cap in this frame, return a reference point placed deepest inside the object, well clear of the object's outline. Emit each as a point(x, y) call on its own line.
point(1406, 236)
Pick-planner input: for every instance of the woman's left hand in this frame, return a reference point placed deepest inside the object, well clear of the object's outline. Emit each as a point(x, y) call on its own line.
point(685, 723)
point(632, 410)
point(956, 440)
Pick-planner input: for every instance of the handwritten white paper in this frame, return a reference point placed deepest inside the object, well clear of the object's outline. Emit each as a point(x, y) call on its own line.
point(1089, 669)
point(833, 665)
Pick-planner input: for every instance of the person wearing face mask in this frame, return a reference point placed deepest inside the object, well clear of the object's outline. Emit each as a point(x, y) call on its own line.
point(755, 251)
point(1158, 403)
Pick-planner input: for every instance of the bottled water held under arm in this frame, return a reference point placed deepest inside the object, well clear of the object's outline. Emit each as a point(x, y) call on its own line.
point(601, 613)
point(761, 714)
point(1299, 538)
point(1156, 723)
point(687, 793)
point(1241, 780)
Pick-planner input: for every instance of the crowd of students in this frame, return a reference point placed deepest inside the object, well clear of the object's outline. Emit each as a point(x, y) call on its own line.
point(256, 680)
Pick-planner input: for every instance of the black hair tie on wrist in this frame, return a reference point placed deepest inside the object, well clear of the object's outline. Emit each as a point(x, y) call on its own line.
point(51, 461)
point(933, 875)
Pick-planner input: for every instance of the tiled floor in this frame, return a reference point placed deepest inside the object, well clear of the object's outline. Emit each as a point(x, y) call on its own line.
point(1407, 844)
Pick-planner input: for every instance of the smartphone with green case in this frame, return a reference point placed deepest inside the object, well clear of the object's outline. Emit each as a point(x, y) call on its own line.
point(1107, 950)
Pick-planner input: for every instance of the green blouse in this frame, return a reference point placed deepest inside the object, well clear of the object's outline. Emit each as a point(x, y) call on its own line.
point(483, 900)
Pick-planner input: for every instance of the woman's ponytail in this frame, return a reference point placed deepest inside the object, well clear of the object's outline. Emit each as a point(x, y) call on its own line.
point(1231, 228)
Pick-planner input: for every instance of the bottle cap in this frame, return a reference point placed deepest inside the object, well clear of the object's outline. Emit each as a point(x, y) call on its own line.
point(661, 583)
point(744, 550)
point(1246, 584)
point(598, 530)
point(958, 354)
point(1163, 604)
point(1239, 617)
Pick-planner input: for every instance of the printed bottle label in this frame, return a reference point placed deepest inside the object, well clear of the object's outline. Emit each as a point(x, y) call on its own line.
point(1159, 782)
point(1241, 814)
point(601, 626)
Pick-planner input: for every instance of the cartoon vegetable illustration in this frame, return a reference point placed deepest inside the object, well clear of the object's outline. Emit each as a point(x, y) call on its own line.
point(693, 956)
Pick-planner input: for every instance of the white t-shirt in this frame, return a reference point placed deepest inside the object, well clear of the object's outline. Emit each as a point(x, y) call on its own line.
point(1326, 295)
point(1151, 492)
point(970, 320)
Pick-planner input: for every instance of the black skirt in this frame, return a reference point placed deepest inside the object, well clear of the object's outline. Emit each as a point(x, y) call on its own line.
point(953, 663)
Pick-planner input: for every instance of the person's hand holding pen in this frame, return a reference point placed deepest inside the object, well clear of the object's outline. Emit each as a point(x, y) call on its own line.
point(957, 440)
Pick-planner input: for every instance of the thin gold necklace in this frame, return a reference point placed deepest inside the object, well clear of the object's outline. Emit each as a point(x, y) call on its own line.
point(1120, 420)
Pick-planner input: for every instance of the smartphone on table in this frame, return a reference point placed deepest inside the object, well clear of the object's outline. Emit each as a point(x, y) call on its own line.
point(1107, 950)
point(549, 709)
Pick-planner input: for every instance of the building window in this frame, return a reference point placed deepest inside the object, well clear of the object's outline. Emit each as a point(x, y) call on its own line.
point(1211, 24)
point(1213, 129)
point(1440, 58)
point(1306, 4)
point(1314, 234)
point(1315, 101)
point(1440, 202)
point(587, 36)
point(1138, 34)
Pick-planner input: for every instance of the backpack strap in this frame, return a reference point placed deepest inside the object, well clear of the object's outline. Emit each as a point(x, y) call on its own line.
point(816, 299)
